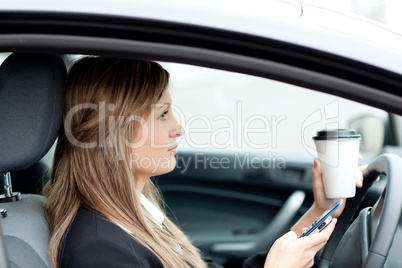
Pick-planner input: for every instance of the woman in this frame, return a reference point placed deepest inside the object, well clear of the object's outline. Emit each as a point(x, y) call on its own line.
point(102, 208)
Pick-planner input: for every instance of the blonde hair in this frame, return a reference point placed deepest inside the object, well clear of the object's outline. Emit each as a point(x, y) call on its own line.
point(94, 172)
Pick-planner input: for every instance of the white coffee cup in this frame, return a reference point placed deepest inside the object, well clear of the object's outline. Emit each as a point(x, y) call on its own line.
point(338, 150)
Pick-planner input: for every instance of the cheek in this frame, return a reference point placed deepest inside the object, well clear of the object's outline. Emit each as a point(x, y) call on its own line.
point(150, 156)
point(160, 135)
point(151, 151)
point(152, 162)
point(142, 135)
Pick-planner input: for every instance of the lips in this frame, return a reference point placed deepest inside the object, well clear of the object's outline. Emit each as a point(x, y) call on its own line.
point(173, 150)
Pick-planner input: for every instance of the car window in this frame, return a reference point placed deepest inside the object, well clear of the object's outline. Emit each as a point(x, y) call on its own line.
point(3, 56)
point(222, 110)
point(229, 111)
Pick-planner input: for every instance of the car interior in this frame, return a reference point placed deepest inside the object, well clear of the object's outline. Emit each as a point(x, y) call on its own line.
point(232, 201)
point(32, 89)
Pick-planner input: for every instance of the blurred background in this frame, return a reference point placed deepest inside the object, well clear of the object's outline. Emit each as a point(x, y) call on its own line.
point(384, 11)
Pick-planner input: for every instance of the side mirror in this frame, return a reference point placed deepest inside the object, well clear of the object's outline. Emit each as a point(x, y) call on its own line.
point(372, 129)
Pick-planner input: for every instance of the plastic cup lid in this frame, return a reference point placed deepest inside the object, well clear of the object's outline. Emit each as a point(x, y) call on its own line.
point(334, 134)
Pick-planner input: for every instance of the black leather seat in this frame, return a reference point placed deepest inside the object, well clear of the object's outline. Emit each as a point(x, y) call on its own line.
point(31, 100)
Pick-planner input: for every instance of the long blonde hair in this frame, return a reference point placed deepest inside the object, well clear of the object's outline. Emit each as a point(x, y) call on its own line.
point(91, 167)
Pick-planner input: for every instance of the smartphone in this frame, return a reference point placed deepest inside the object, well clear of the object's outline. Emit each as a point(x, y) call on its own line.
point(321, 222)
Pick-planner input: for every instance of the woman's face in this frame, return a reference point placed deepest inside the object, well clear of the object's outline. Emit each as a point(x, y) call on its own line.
point(155, 143)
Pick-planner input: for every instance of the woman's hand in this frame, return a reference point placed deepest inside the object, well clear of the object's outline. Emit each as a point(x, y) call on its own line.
point(289, 251)
point(321, 202)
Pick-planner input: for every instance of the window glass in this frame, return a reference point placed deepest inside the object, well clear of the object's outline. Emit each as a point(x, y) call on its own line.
point(223, 110)
point(3, 56)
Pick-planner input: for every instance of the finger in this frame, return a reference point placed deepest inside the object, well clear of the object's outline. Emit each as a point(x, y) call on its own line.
point(315, 249)
point(319, 238)
point(317, 175)
point(362, 168)
point(360, 157)
point(329, 229)
point(359, 178)
point(310, 263)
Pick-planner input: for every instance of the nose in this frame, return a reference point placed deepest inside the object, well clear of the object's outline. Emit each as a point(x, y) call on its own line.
point(181, 132)
point(177, 130)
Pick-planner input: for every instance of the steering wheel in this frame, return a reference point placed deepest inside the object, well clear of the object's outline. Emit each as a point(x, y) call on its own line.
point(384, 218)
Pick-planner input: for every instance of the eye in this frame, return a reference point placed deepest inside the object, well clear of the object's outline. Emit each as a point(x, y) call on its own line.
point(163, 116)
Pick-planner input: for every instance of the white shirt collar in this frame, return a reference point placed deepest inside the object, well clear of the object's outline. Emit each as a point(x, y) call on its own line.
point(156, 214)
point(153, 210)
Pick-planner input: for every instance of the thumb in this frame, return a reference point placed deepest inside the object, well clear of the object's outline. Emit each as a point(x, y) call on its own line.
point(321, 237)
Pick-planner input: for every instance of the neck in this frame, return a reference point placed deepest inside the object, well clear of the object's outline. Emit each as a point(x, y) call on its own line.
point(140, 182)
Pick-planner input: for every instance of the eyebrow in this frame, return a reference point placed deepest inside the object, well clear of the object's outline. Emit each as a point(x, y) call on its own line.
point(164, 105)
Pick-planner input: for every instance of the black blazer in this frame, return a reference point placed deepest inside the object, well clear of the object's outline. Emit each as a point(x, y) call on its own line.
point(94, 242)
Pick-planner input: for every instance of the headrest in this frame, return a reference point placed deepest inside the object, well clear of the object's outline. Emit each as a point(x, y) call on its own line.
point(31, 102)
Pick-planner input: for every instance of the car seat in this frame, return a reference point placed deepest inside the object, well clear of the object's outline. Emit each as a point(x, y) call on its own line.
point(31, 101)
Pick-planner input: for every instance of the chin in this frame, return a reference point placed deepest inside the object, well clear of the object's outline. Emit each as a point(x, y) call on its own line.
point(165, 168)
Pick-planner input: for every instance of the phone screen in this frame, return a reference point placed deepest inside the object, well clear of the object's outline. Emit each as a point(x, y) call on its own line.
point(321, 222)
